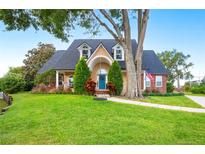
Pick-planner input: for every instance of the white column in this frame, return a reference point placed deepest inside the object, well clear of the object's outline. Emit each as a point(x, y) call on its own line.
point(57, 79)
point(144, 81)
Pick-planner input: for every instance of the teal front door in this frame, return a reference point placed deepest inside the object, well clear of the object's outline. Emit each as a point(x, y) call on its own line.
point(102, 81)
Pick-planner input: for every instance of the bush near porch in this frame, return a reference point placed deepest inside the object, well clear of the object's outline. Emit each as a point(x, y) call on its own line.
point(115, 77)
point(81, 75)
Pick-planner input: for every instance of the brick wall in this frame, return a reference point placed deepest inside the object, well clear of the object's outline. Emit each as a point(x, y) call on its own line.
point(153, 87)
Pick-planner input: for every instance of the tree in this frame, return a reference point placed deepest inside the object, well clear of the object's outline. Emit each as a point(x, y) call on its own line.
point(81, 75)
point(16, 70)
point(60, 22)
point(12, 83)
point(47, 78)
point(142, 26)
point(177, 65)
point(35, 58)
point(115, 77)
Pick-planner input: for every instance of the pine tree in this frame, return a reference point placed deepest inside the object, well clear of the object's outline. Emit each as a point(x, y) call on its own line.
point(81, 75)
point(115, 77)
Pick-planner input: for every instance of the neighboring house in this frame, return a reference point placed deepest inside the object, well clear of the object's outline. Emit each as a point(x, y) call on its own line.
point(100, 53)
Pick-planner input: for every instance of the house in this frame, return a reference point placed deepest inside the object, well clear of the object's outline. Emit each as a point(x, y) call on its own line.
point(100, 53)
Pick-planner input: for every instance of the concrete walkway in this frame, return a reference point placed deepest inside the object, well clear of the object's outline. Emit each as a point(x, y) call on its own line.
point(170, 107)
point(198, 99)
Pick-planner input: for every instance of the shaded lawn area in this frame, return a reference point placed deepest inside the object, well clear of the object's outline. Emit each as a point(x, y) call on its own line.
point(172, 100)
point(190, 93)
point(2, 104)
point(71, 119)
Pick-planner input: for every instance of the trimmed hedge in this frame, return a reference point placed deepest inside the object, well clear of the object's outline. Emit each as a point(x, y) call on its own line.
point(81, 75)
point(160, 94)
point(198, 90)
point(115, 77)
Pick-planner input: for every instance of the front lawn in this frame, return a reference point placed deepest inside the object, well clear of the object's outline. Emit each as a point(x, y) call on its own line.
point(172, 100)
point(71, 119)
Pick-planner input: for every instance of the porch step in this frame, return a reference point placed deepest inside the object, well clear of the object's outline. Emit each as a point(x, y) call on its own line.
point(102, 91)
point(102, 95)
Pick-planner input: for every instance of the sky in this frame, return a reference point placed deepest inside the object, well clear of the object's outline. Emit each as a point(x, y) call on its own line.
point(183, 30)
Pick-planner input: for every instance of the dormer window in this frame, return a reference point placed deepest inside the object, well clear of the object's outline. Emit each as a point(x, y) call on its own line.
point(84, 50)
point(118, 52)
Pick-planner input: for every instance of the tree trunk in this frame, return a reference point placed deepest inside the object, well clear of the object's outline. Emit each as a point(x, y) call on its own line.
point(142, 26)
point(130, 66)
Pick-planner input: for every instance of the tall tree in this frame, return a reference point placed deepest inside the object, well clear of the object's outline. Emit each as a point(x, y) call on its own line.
point(177, 64)
point(142, 26)
point(35, 58)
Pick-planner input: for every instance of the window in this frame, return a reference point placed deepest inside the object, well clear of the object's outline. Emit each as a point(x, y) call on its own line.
point(118, 52)
point(158, 81)
point(148, 82)
point(84, 50)
point(85, 53)
point(70, 81)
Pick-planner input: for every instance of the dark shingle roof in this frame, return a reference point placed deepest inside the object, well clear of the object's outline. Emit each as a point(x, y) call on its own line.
point(67, 59)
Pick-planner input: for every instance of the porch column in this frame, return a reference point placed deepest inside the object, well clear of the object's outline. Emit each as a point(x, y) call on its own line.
point(57, 79)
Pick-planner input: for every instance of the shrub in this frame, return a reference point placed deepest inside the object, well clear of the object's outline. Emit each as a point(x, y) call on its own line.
point(115, 77)
point(12, 83)
point(198, 89)
point(170, 87)
point(160, 94)
point(46, 78)
point(112, 88)
point(90, 86)
point(81, 75)
point(41, 88)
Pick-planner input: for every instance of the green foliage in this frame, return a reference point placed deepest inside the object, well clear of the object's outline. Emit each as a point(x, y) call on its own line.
point(46, 78)
point(161, 94)
point(176, 63)
point(200, 89)
point(58, 22)
point(170, 87)
point(35, 58)
point(81, 75)
point(12, 83)
point(115, 77)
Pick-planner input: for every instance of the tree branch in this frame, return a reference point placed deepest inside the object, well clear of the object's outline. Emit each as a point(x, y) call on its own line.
point(109, 18)
point(105, 26)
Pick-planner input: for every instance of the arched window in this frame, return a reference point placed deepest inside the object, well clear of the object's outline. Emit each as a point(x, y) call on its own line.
point(102, 71)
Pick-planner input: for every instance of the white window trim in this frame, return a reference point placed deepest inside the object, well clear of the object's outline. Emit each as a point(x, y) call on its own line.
point(116, 47)
point(147, 80)
point(156, 80)
point(80, 49)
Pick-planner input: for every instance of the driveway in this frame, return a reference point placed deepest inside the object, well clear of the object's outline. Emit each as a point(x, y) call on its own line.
point(170, 107)
point(198, 99)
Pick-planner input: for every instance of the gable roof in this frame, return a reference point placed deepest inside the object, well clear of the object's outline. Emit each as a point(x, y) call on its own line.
point(67, 59)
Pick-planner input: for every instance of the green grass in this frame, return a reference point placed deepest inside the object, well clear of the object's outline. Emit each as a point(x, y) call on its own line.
point(172, 100)
point(2, 104)
point(71, 119)
point(190, 93)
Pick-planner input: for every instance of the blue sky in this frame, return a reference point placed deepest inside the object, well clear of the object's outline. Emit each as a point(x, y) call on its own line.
point(183, 30)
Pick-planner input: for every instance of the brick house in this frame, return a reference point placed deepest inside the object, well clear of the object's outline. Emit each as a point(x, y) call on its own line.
point(100, 53)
